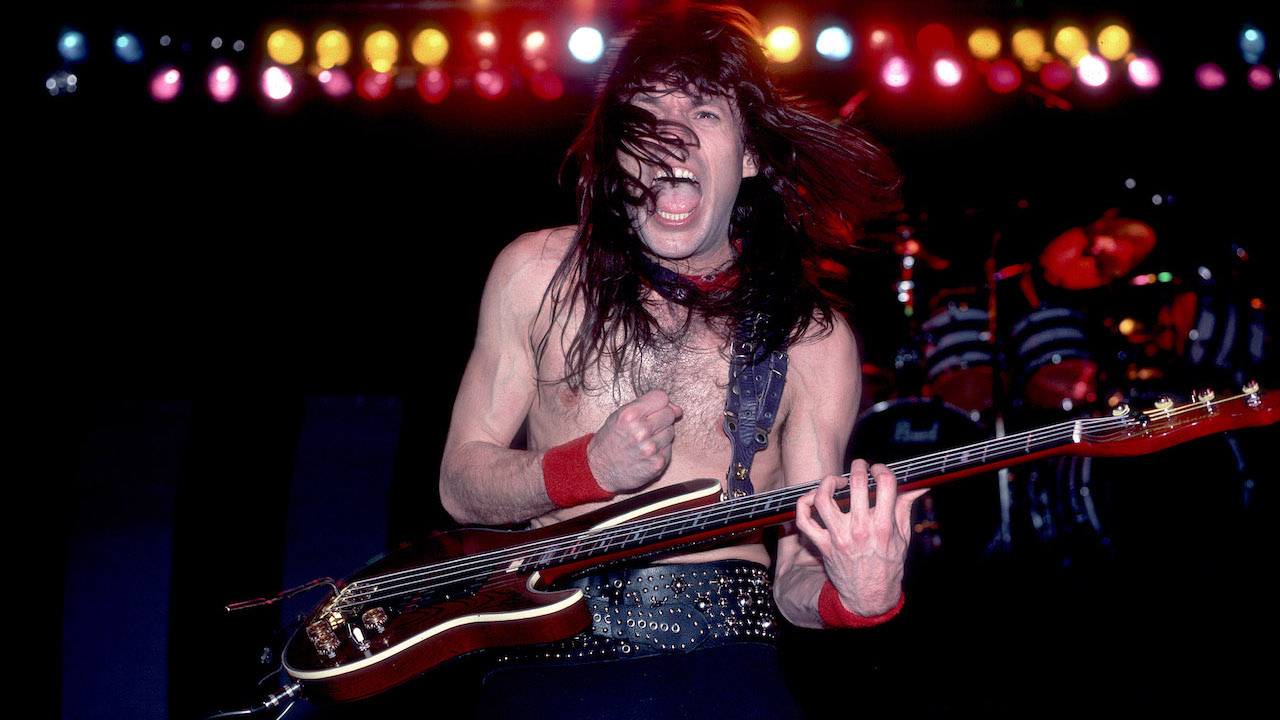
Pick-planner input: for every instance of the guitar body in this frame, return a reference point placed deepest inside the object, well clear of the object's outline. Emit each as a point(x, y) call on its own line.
point(444, 620)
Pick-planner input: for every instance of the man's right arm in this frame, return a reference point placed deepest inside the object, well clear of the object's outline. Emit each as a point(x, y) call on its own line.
point(482, 480)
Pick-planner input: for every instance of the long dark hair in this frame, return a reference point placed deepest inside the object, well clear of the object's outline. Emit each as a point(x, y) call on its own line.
point(817, 184)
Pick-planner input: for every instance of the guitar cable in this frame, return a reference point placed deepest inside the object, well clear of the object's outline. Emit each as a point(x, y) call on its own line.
point(289, 692)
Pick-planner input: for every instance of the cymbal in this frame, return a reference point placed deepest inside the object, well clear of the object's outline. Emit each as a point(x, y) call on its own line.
point(1094, 255)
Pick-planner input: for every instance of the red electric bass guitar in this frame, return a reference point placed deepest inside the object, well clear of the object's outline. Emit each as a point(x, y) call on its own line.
point(475, 589)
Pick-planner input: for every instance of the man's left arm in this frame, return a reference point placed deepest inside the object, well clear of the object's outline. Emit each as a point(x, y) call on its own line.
point(861, 553)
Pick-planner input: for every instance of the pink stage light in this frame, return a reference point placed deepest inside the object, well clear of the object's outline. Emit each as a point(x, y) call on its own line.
point(947, 72)
point(166, 84)
point(223, 82)
point(1004, 76)
point(1210, 77)
point(896, 73)
point(335, 82)
point(1144, 72)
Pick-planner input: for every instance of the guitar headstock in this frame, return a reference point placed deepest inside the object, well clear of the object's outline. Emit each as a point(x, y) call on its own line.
point(1132, 432)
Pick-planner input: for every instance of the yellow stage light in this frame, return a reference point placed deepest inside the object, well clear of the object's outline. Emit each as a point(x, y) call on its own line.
point(783, 44)
point(381, 50)
point(984, 43)
point(284, 46)
point(333, 48)
point(430, 47)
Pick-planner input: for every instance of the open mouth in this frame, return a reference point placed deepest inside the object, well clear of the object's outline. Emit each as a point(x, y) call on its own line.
point(678, 194)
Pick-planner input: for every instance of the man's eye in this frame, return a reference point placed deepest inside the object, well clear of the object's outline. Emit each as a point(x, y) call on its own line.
point(706, 114)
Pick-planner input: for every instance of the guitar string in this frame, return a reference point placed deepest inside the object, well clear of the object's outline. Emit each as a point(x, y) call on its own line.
point(607, 540)
point(512, 556)
point(521, 555)
point(448, 574)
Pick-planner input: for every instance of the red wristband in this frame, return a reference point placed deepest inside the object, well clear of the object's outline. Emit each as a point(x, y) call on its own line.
point(567, 476)
point(834, 613)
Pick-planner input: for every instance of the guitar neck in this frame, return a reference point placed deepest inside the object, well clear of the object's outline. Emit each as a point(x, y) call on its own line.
point(697, 520)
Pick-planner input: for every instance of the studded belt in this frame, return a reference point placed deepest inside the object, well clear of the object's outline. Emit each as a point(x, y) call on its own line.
point(667, 609)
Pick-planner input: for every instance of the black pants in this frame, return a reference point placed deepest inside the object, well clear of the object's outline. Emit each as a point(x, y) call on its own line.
point(741, 681)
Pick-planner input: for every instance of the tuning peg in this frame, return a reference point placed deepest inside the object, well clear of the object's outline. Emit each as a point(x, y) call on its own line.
point(1120, 410)
point(1164, 403)
point(1252, 393)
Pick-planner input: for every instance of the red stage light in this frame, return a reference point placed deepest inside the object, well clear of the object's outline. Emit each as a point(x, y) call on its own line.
point(1055, 75)
point(546, 84)
point(433, 84)
point(491, 84)
point(935, 38)
point(373, 85)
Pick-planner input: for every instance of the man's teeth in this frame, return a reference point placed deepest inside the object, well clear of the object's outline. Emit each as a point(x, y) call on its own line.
point(676, 173)
point(673, 216)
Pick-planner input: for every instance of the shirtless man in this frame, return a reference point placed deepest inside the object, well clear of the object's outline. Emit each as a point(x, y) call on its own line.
point(692, 164)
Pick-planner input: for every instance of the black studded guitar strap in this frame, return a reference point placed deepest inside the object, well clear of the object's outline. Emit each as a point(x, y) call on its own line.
point(751, 405)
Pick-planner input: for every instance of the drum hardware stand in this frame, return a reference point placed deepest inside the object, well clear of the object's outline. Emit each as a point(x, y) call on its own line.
point(1004, 535)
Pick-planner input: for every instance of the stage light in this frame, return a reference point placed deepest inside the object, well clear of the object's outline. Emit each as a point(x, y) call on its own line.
point(433, 84)
point(1252, 43)
point(1071, 43)
point(486, 41)
point(223, 82)
point(333, 48)
point(277, 83)
point(430, 47)
point(534, 44)
point(896, 73)
point(1113, 42)
point(1210, 77)
point(1093, 71)
point(1260, 77)
point(984, 44)
point(1144, 73)
point(884, 39)
point(546, 84)
point(1055, 75)
point(166, 84)
point(586, 44)
point(491, 83)
point(285, 46)
point(381, 50)
point(72, 46)
point(834, 43)
point(373, 84)
point(1004, 76)
point(335, 82)
point(1029, 47)
point(782, 44)
point(127, 48)
point(61, 82)
point(934, 38)
point(947, 72)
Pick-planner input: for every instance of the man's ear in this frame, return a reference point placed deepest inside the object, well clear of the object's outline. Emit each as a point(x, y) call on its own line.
point(750, 166)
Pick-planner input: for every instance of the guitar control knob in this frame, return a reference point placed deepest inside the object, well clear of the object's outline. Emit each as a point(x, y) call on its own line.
point(374, 619)
point(323, 638)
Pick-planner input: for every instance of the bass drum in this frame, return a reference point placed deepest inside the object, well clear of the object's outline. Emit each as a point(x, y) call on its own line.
point(1052, 361)
point(951, 520)
point(960, 358)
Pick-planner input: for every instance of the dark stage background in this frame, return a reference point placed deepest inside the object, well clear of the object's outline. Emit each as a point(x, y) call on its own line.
point(241, 331)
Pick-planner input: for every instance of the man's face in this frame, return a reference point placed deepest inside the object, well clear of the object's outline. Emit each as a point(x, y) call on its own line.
point(689, 224)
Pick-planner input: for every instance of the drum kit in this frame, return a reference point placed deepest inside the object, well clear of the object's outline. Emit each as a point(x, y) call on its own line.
point(1069, 332)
